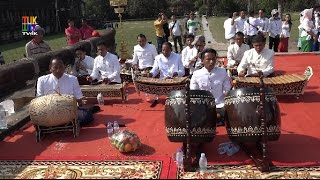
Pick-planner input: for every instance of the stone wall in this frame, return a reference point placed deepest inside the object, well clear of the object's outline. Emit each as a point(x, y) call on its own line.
point(15, 76)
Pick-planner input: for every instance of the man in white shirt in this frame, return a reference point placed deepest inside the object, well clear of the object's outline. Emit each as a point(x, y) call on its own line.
point(188, 53)
point(193, 25)
point(230, 28)
point(168, 64)
point(251, 28)
point(235, 53)
point(239, 22)
point(258, 60)
point(106, 66)
point(275, 27)
point(264, 22)
point(194, 60)
point(213, 79)
point(83, 64)
point(176, 33)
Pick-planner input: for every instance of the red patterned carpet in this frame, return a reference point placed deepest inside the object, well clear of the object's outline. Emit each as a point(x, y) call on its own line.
point(299, 143)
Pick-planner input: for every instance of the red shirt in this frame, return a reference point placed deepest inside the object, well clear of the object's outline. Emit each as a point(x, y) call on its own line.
point(86, 32)
point(73, 31)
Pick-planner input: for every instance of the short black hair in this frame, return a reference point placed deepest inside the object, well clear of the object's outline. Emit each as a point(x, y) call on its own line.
point(167, 43)
point(262, 10)
point(258, 38)
point(103, 43)
point(58, 58)
point(69, 20)
point(208, 50)
point(239, 33)
point(84, 19)
point(251, 13)
point(190, 36)
point(141, 36)
point(231, 15)
point(80, 48)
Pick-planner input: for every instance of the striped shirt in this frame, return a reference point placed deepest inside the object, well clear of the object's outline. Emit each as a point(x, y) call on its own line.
point(33, 48)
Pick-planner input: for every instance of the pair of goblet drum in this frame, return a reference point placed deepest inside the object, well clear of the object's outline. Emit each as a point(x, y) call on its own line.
point(243, 123)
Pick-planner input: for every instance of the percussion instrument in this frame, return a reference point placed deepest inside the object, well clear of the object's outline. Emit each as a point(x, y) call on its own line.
point(126, 72)
point(203, 116)
point(243, 123)
point(107, 90)
point(159, 86)
point(290, 84)
point(53, 110)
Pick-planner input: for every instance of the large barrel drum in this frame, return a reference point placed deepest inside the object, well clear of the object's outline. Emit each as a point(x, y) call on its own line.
point(53, 110)
point(243, 123)
point(203, 116)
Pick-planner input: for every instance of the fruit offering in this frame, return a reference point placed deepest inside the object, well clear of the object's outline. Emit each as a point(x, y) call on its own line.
point(125, 141)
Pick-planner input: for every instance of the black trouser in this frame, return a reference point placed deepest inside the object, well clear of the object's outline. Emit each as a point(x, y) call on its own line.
point(160, 41)
point(249, 41)
point(175, 39)
point(274, 42)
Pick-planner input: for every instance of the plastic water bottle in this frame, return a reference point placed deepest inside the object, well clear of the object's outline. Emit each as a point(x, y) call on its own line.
point(3, 119)
point(179, 158)
point(115, 127)
point(203, 162)
point(109, 129)
point(100, 99)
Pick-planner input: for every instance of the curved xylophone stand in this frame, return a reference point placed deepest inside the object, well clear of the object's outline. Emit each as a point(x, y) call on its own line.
point(263, 164)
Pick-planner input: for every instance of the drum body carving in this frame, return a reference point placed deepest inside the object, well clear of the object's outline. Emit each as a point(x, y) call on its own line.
point(160, 86)
point(243, 122)
point(53, 110)
point(203, 116)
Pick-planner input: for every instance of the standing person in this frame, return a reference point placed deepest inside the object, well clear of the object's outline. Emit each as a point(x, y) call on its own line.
point(263, 22)
point(73, 34)
point(239, 22)
point(166, 28)
point(1, 59)
point(37, 45)
point(257, 60)
point(168, 64)
point(86, 30)
point(188, 53)
point(158, 25)
point(308, 33)
point(285, 34)
point(317, 28)
point(213, 79)
point(176, 33)
point(251, 28)
point(106, 66)
point(193, 25)
point(143, 56)
point(230, 28)
point(275, 25)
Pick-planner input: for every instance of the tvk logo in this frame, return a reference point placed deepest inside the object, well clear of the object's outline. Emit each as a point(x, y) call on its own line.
point(29, 25)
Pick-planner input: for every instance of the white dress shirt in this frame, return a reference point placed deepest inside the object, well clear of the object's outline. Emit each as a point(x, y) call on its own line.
point(187, 54)
point(229, 30)
point(263, 24)
point(235, 53)
point(285, 32)
point(239, 22)
point(167, 66)
point(254, 62)
point(67, 85)
point(275, 27)
point(144, 55)
point(176, 31)
point(216, 81)
point(87, 63)
point(252, 27)
point(106, 67)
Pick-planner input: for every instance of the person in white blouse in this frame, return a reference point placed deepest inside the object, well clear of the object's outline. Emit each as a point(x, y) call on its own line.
point(168, 65)
point(83, 64)
point(285, 34)
point(188, 53)
point(194, 61)
point(235, 53)
point(106, 66)
point(239, 22)
point(263, 21)
point(258, 60)
point(143, 54)
point(213, 79)
point(251, 28)
point(275, 27)
point(230, 28)
point(176, 33)
point(59, 82)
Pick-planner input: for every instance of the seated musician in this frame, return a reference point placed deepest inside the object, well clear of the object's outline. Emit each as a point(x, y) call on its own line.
point(62, 83)
point(258, 60)
point(188, 53)
point(83, 65)
point(213, 79)
point(235, 53)
point(195, 62)
point(168, 64)
point(106, 66)
point(143, 56)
